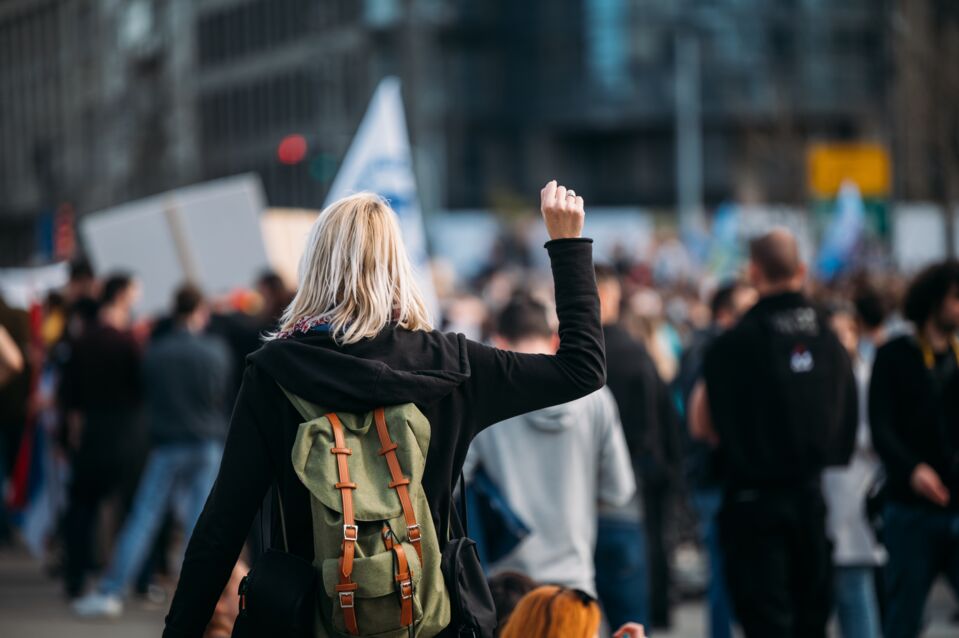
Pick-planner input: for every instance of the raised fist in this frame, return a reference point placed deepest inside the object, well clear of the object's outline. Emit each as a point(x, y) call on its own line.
point(562, 211)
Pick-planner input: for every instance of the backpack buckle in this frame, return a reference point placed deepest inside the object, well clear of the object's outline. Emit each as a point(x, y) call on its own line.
point(346, 600)
point(346, 533)
point(406, 589)
point(413, 531)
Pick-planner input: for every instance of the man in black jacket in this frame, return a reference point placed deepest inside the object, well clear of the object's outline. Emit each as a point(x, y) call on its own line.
point(780, 403)
point(652, 435)
point(914, 413)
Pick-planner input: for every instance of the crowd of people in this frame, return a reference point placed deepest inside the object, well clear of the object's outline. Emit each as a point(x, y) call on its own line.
point(805, 434)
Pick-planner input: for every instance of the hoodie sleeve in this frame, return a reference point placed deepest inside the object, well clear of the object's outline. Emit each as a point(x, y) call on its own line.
point(246, 473)
point(617, 484)
point(505, 384)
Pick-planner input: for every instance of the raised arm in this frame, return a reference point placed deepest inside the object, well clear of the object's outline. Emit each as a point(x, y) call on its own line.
point(504, 384)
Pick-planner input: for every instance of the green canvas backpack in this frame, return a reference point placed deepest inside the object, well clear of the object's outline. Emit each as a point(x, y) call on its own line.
point(375, 546)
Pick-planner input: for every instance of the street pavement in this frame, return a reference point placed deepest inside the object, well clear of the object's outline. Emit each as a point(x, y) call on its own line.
point(31, 606)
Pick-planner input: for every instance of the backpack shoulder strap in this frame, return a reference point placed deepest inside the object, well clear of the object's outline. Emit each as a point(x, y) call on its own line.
point(400, 482)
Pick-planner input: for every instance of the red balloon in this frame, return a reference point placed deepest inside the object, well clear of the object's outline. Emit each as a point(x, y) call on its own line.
point(292, 149)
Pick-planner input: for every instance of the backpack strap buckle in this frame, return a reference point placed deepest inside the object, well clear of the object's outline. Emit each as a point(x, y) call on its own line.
point(346, 599)
point(413, 531)
point(406, 586)
point(347, 530)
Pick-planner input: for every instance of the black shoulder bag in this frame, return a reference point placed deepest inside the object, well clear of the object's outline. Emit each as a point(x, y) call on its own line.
point(278, 595)
point(473, 613)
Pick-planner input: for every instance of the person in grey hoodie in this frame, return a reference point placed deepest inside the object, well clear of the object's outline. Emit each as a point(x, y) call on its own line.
point(554, 466)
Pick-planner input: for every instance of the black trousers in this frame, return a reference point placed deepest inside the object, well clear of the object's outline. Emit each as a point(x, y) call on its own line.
point(105, 468)
point(778, 561)
point(656, 501)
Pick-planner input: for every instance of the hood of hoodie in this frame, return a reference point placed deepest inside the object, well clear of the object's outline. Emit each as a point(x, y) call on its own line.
point(556, 418)
point(396, 366)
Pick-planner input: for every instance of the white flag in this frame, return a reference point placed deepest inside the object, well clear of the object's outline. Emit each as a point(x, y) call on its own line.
point(379, 160)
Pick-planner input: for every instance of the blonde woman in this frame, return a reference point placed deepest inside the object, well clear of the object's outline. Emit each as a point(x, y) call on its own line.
point(357, 335)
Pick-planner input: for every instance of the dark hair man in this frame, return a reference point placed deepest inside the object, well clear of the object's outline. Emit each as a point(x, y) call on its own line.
point(914, 413)
point(780, 403)
point(554, 466)
point(650, 425)
point(186, 374)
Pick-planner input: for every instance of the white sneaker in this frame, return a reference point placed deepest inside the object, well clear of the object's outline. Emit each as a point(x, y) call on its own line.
point(97, 605)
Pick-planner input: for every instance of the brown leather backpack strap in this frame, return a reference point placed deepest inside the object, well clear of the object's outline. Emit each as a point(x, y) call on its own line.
point(400, 483)
point(404, 582)
point(346, 589)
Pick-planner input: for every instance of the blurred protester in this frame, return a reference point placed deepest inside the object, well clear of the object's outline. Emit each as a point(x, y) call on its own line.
point(11, 357)
point(622, 574)
point(101, 392)
point(856, 553)
point(276, 297)
point(728, 304)
point(14, 396)
point(779, 400)
point(14, 381)
point(914, 413)
point(659, 455)
point(871, 314)
point(553, 466)
point(647, 322)
point(357, 336)
point(80, 308)
point(186, 375)
point(80, 296)
point(508, 588)
point(54, 324)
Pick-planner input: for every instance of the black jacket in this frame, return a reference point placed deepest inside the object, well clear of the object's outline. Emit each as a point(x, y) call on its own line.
point(645, 408)
point(186, 378)
point(461, 386)
point(913, 422)
point(782, 395)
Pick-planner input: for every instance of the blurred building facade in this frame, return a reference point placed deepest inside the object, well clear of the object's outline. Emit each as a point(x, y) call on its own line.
point(105, 101)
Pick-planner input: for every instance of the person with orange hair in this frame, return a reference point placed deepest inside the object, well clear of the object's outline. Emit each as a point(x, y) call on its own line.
point(551, 611)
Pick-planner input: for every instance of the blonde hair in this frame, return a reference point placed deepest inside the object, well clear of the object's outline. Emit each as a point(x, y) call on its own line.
point(355, 275)
point(553, 612)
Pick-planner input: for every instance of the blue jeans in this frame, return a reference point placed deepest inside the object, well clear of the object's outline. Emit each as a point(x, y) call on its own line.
point(707, 503)
point(621, 573)
point(178, 474)
point(922, 542)
point(857, 609)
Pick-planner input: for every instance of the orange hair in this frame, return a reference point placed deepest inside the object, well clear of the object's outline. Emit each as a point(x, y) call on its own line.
point(553, 612)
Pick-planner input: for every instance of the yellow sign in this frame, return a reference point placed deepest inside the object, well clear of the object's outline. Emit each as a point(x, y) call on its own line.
point(828, 165)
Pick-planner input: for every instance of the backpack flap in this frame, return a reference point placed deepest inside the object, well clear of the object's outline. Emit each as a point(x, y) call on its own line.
point(372, 500)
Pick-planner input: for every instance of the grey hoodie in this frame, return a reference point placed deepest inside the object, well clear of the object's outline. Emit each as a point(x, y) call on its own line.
point(554, 466)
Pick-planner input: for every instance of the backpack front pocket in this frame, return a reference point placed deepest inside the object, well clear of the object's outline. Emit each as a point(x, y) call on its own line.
point(380, 593)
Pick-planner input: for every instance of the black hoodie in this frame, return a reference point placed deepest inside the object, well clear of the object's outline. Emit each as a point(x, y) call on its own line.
point(461, 386)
